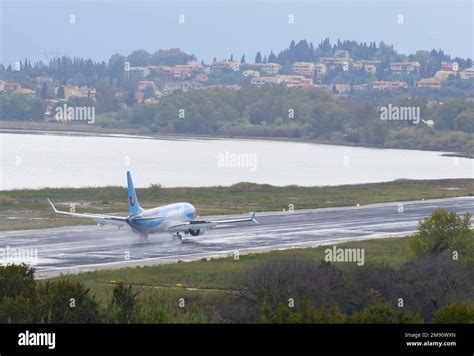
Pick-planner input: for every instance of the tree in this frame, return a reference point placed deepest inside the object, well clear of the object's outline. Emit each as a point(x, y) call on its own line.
point(442, 231)
point(327, 118)
point(106, 99)
point(465, 121)
point(258, 58)
point(139, 58)
point(130, 99)
point(383, 68)
point(117, 67)
point(170, 57)
point(61, 94)
point(325, 47)
point(461, 313)
point(24, 300)
point(306, 313)
point(44, 91)
point(148, 93)
point(272, 58)
point(16, 281)
point(432, 282)
point(242, 60)
point(65, 301)
point(276, 281)
point(145, 114)
point(17, 310)
point(375, 132)
point(17, 106)
point(382, 313)
point(124, 302)
point(447, 114)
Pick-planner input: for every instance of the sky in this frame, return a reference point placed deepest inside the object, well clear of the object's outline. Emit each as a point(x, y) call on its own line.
point(98, 29)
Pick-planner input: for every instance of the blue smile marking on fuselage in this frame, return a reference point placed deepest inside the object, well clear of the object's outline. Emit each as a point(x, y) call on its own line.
point(151, 223)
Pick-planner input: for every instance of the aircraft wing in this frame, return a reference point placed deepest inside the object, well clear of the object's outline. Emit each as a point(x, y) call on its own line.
point(207, 225)
point(231, 221)
point(204, 225)
point(100, 218)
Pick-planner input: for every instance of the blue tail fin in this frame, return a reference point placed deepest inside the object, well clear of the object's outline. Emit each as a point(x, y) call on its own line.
point(133, 206)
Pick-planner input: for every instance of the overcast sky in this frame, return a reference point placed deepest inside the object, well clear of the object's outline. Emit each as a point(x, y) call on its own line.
point(219, 28)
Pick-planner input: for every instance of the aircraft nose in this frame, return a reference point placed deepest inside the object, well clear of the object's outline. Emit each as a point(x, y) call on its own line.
point(192, 210)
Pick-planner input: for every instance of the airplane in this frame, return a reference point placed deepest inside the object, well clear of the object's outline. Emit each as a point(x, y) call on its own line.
point(177, 218)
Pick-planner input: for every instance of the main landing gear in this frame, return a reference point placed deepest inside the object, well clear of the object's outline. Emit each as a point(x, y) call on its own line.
point(179, 234)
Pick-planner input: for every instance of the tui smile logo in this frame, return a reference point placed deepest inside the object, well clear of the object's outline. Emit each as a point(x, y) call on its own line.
point(132, 201)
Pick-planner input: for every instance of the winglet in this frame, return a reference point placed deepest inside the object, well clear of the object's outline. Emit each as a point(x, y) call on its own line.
point(253, 218)
point(52, 206)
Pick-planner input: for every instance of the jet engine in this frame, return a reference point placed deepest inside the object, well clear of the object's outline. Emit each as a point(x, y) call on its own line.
point(196, 232)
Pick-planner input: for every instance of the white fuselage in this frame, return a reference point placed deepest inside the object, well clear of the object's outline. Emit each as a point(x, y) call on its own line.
point(161, 218)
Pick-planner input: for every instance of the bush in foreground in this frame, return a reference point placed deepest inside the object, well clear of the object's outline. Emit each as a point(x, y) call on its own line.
point(461, 313)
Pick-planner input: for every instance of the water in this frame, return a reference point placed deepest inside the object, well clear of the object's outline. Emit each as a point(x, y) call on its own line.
point(53, 160)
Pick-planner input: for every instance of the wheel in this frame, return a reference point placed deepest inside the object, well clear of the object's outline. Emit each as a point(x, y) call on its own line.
point(178, 236)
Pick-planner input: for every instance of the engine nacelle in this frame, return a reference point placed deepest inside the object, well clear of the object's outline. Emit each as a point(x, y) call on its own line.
point(196, 232)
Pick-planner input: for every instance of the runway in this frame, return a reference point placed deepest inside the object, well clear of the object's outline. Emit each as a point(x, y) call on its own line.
point(83, 248)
